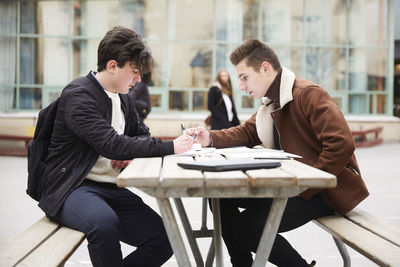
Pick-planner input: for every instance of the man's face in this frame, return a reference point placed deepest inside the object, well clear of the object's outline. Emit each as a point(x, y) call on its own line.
point(125, 77)
point(252, 82)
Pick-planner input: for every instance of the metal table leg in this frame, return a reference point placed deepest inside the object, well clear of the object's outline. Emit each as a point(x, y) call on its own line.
point(189, 232)
point(270, 231)
point(217, 232)
point(173, 232)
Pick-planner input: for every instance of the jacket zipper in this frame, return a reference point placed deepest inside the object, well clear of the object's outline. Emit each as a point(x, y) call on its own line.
point(351, 169)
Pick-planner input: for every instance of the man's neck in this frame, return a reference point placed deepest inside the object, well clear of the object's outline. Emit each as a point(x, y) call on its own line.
point(103, 80)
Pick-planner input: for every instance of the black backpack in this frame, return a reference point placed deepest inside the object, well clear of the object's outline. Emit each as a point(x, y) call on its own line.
point(38, 148)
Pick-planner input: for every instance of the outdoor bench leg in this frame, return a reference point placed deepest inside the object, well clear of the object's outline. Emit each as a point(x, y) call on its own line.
point(343, 252)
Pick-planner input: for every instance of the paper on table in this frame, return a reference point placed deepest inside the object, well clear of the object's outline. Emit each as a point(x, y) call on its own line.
point(256, 153)
point(198, 151)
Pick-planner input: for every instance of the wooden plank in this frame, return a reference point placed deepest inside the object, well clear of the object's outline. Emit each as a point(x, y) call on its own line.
point(223, 179)
point(143, 172)
point(308, 176)
point(377, 249)
point(174, 176)
point(56, 250)
point(375, 225)
point(274, 177)
point(17, 248)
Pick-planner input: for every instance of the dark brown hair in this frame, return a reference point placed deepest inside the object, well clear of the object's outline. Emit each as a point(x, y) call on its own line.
point(255, 52)
point(124, 45)
point(226, 87)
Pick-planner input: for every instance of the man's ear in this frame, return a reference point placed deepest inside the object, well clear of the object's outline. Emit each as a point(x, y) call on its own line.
point(265, 66)
point(111, 65)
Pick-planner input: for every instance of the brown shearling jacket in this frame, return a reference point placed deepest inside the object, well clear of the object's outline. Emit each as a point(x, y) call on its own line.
point(311, 125)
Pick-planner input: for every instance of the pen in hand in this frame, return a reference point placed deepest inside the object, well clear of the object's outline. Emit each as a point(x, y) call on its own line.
point(183, 128)
point(183, 131)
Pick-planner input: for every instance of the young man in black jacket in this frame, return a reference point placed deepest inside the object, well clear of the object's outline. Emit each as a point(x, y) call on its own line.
point(96, 132)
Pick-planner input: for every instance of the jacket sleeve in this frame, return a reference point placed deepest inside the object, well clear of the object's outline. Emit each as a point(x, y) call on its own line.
point(83, 118)
point(242, 135)
point(330, 127)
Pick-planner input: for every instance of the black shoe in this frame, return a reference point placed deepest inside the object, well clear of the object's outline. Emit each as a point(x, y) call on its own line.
point(313, 263)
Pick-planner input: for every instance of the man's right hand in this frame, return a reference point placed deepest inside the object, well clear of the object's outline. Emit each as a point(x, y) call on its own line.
point(182, 143)
point(202, 135)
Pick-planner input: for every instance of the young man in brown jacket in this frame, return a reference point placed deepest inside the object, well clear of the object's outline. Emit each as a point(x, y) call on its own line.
point(299, 117)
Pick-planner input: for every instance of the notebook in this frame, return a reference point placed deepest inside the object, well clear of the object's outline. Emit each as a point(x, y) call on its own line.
point(229, 165)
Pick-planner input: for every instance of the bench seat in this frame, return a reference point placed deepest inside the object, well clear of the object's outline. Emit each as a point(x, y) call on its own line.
point(366, 234)
point(45, 243)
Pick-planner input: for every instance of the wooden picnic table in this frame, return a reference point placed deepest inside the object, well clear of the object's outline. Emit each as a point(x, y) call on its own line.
point(163, 179)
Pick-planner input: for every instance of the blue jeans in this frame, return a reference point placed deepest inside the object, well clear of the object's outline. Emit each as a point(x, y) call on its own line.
point(107, 215)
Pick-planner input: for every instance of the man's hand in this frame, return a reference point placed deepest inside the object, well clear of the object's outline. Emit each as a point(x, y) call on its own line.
point(183, 143)
point(201, 135)
point(119, 164)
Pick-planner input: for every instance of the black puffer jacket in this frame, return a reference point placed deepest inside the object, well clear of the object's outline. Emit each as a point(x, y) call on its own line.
point(82, 132)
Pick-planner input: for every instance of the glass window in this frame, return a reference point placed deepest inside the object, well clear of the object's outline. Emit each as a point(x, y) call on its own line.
point(358, 104)
point(8, 17)
point(191, 65)
point(250, 19)
point(200, 99)
point(54, 17)
point(326, 67)
point(191, 20)
point(377, 104)
point(157, 75)
point(325, 21)
point(28, 17)
point(155, 100)
point(367, 70)
point(30, 98)
point(154, 16)
point(178, 100)
point(282, 21)
point(291, 58)
point(368, 17)
point(247, 101)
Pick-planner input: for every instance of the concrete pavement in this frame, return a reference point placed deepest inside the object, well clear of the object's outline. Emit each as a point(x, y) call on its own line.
point(380, 167)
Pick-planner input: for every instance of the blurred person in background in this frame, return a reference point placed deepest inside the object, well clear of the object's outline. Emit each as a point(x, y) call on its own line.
point(140, 93)
point(221, 104)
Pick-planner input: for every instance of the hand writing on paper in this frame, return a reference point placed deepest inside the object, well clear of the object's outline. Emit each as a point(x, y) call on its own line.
point(200, 135)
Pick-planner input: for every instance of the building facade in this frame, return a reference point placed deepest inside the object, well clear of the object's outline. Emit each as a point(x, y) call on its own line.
point(347, 46)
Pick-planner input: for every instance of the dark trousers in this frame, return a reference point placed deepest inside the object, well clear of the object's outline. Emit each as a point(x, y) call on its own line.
point(241, 230)
point(107, 215)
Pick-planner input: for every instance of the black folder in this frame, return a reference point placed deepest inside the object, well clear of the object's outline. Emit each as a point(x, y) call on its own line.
point(229, 165)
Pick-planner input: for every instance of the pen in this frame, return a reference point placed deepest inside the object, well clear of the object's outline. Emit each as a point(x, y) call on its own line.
point(183, 128)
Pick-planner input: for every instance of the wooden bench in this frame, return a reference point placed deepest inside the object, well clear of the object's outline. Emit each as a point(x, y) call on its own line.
point(366, 234)
point(45, 243)
point(361, 140)
point(15, 151)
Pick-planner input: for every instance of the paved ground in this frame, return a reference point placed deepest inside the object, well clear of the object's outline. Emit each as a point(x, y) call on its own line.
point(380, 166)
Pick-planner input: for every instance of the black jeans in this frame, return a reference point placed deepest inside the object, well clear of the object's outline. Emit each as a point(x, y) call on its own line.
point(242, 231)
point(107, 215)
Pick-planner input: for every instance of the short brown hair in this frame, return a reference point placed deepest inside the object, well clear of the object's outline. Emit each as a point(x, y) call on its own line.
point(124, 45)
point(255, 52)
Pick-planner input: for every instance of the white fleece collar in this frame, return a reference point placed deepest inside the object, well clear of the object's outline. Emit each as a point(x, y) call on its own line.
point(285, 90)
point(264, 121)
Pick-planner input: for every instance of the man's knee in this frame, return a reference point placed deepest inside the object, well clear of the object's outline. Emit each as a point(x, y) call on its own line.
point(105, 228)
